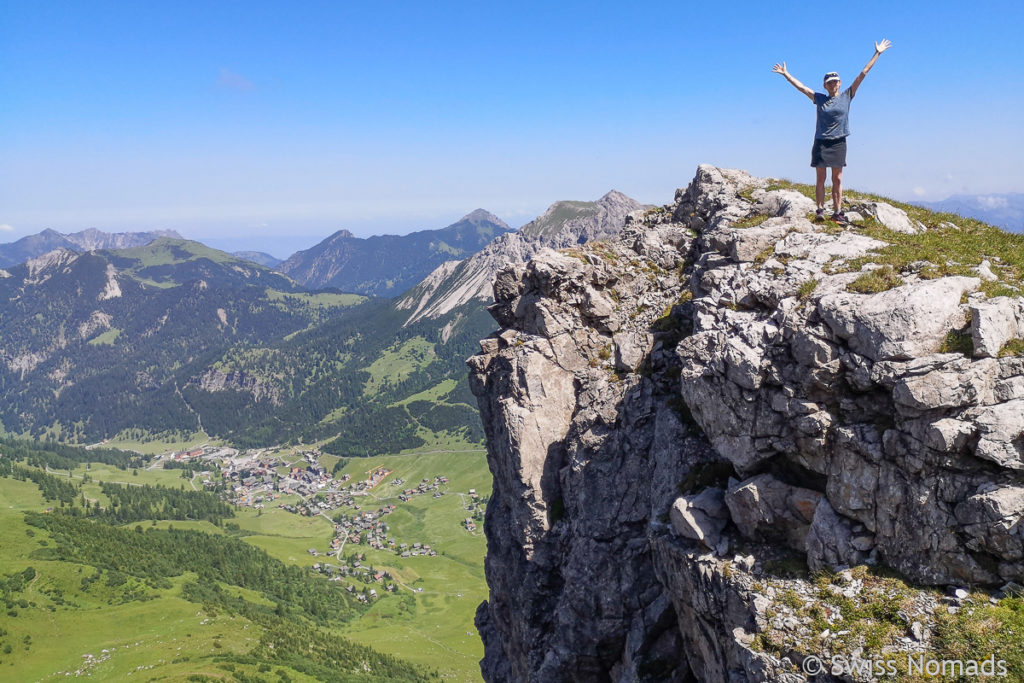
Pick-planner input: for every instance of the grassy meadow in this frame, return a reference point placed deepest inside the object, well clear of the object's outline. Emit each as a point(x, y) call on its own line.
point(78, 619)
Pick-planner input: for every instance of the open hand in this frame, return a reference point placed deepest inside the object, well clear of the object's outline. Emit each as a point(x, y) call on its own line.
point(882, 46)
point(780, 68)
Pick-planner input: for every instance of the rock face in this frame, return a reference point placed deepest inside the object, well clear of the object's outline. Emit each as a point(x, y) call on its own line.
point(214, 380)
point(692, 387)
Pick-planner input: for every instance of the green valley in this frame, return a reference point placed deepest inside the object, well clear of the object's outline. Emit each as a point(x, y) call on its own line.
point(238, 594)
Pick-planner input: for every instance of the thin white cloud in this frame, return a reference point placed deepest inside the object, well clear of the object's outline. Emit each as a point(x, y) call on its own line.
point(6, 228)
point(920, 192)
point(232, 81)
point(993, 202)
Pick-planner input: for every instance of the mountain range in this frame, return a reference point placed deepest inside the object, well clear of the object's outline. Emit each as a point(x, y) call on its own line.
point(564, 224)
point(174, 337)
point(31, 246)
point(1002, 210)
point(260, 257)
point(99, 342)
point(387, 265)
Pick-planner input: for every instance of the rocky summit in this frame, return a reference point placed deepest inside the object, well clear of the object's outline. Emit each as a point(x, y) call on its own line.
point(678, 417)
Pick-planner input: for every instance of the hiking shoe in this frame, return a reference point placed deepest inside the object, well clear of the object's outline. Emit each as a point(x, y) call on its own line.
point(819, 215)
point(840, 217)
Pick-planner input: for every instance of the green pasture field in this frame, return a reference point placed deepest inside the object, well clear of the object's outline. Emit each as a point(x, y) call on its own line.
point(321, 299)
point(429, 621)
point(284, 535)
point(398, 362)
point(434, 393)
point(437, 628)
point(145, 475)
point(108, 337)
point(159, 445)
point(442, 441)
point(161, 637)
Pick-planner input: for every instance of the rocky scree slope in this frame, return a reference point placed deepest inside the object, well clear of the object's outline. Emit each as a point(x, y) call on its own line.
point(671, 412)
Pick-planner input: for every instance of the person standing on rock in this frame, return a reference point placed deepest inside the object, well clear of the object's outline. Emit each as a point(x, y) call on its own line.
point(830, 131)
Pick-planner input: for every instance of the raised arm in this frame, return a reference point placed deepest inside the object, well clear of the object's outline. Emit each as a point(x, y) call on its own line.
point(781, 69)
point(879, 49)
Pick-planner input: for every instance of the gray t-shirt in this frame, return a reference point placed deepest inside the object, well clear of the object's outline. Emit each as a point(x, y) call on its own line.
point(833, 115)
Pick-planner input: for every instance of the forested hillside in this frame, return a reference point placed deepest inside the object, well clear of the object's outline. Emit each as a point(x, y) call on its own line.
point(355, 380)
point(101, 342)
point(175, 338)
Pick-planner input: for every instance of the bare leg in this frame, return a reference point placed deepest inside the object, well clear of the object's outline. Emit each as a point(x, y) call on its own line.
point(837, 189)
point(819, 186)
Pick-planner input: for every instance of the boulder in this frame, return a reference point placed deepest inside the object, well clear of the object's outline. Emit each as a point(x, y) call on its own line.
point(995, 322)
point(993, 520)
point(831, 541)
point(891, 217)
point(700, 517)
point(901, 323)
point(1001, 434)
point(763, 507)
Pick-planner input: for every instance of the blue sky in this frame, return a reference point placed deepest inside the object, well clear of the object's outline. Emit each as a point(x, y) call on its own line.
point(270, 124)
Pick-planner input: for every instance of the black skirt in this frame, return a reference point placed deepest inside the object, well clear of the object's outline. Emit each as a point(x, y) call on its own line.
point(829, 153)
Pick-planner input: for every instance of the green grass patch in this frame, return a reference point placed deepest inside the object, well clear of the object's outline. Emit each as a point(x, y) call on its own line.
point(397, 363)
point(1014, 347)
point(315, 299)
point(166, 250)
point(751, 221)
point(434, 393)
point(108, 337)
point(953, 244)
point(871, 610)
point(153, 444)
point(807, 289)
point(979, 630)
point(877, 280)
point(958, 341)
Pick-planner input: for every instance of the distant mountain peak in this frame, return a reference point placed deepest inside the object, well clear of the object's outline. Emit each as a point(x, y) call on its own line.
point(386, 265)
point(482, 216)
point(563, 224)
point(90, 239)
point(614, 196)
point(259, 257)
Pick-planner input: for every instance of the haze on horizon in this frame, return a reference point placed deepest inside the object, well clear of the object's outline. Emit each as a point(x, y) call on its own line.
point(248, 127)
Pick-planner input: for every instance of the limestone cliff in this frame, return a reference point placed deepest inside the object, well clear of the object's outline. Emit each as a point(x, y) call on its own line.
point(675, 415)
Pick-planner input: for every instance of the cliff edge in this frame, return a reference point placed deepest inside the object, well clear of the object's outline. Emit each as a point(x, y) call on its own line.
point(721, 439)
